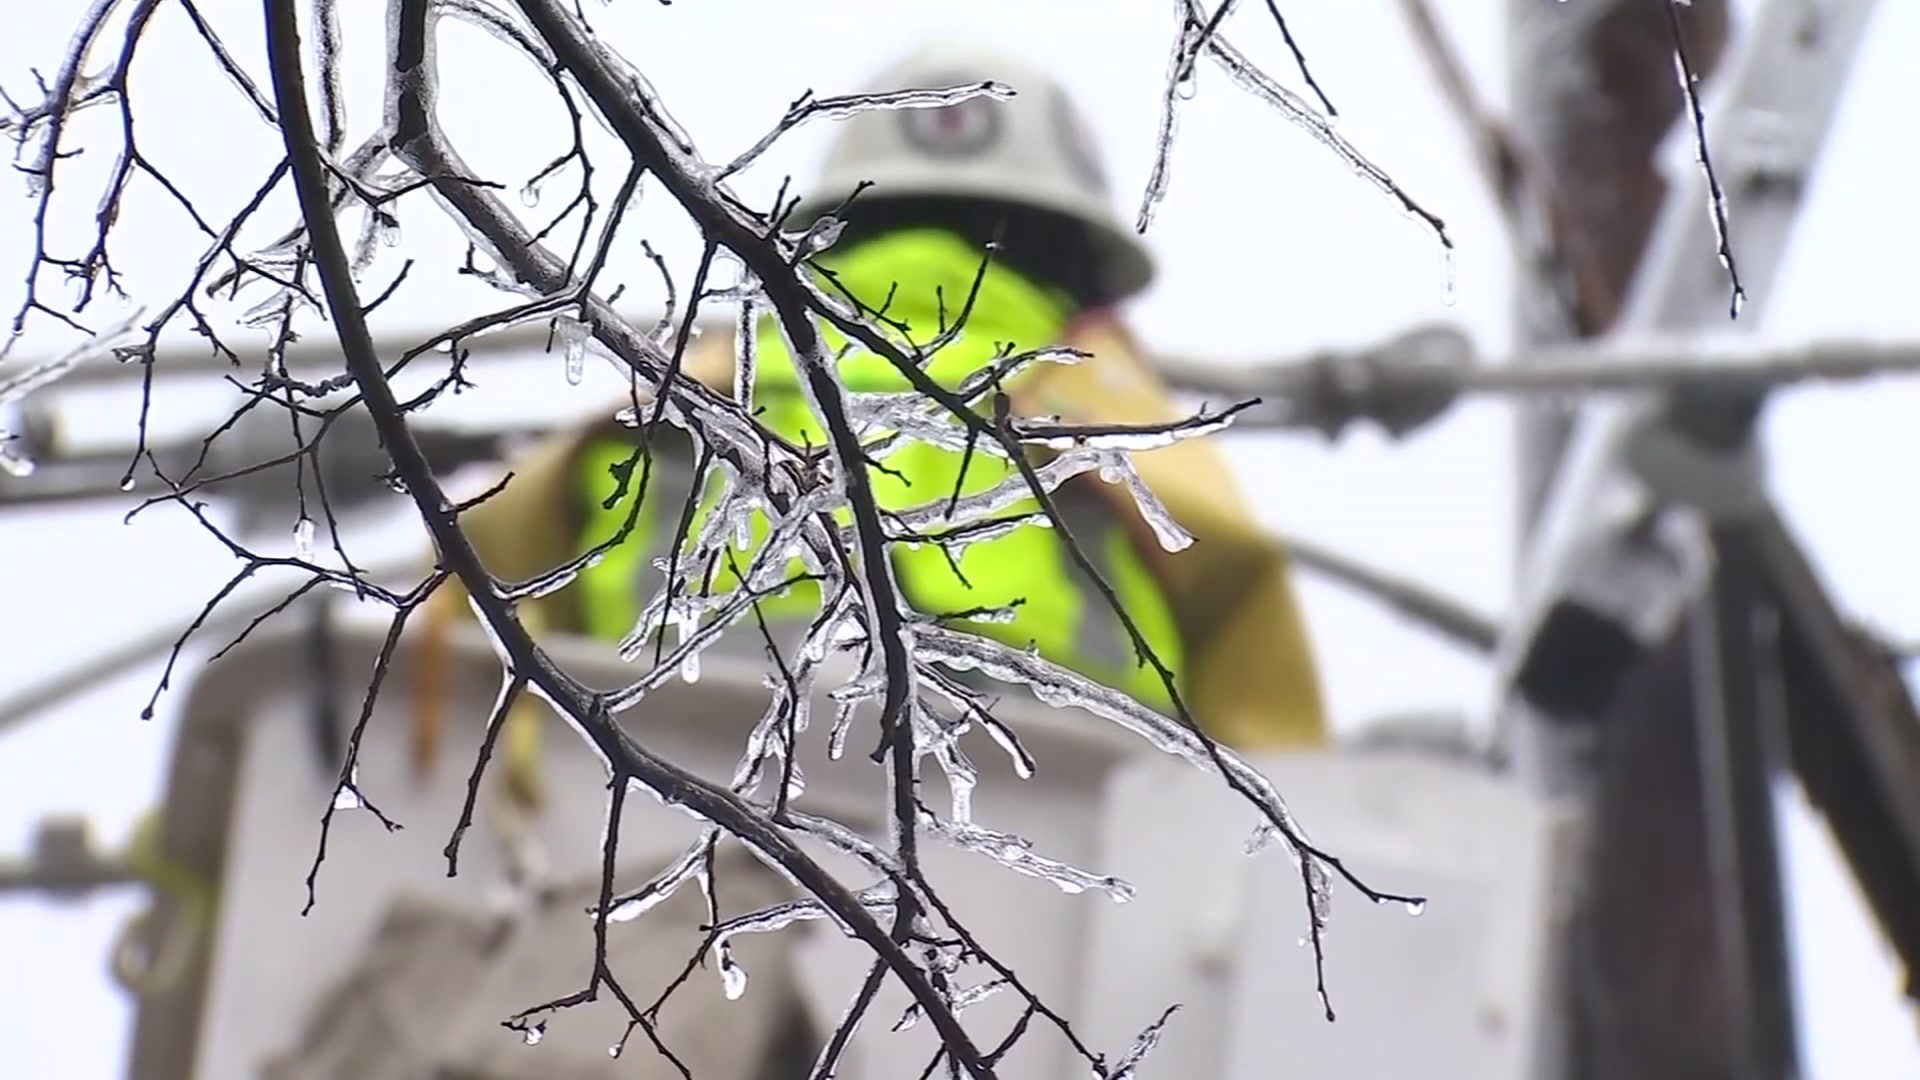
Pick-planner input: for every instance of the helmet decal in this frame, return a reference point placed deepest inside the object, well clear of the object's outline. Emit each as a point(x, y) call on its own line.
point(964, 129)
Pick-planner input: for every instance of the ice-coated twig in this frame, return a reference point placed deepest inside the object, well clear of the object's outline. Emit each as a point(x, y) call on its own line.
point(1199, 35)
point(1126, 436)
point(326, 55)
point(877, 898)
point(1008, 493)
point(16, 385)
point(1128, 1065)
point(689, 866)
point(1061, 688)
point(1179, 86)
point(961, 1000)
point(1016, 853)
point(807, 107)
point(1252, 79)
point(1697, 117)
point(1173, 536)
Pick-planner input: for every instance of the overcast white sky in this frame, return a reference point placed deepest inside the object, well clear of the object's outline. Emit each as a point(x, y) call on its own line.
point(1267, 245)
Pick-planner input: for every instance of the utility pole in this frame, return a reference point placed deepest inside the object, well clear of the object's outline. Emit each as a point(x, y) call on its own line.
point(1676, 952)
point(1593, 98)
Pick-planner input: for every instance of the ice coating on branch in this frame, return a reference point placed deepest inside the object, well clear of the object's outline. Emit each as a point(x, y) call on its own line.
point(571, 335)
point(770, 746)
point(836, 108)
point(1250, 78)
point(1062, 688)
point(1002, 496)
point(778, 917)
point(846, 699)
point(347, 795)
point(1263, 837)
point(795, 780)
point(877, 899)
point(1001, 370)
point(746, 356)
point(677, 144)
point(906, 414)
point(733, 977)
point(1129, 438)
point(731, 521)
point(685, 627)
point(821, 235)
point(742, 532)
point(1171, 534)
point(842, 724)
point(963, 700)
point(14, 462)
point(762, 572)
point(838, 626)
point(1016, 853)
point(364, 245)
point(958, 539)
point(16, 385)
point(1127, 1068)
point(931, 736)
point(691, 864)
point(962, 999)
point(498, 26)
point(930, 98)
point(684, 655)
point(873, 579)
point(1179, 72)
point(787, 715)
point(552, 582)
point(848, 842)
point(1017, 754)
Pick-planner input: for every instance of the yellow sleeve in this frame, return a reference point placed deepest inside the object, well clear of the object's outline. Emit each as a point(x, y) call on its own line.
point(1250, 678)
point(523, 530)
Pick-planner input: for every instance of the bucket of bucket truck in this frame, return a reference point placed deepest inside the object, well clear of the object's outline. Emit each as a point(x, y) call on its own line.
point(272, 990)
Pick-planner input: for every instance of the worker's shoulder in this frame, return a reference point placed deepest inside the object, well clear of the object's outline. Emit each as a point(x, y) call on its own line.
point(1113, 383)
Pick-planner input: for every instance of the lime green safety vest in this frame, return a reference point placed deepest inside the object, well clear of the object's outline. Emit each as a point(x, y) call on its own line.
point(1060, 614)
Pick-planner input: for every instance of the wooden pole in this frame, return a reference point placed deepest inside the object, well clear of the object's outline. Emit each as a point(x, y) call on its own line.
point(1593, 97)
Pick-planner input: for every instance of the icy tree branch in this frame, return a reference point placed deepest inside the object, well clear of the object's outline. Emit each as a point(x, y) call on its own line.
point(817, 503)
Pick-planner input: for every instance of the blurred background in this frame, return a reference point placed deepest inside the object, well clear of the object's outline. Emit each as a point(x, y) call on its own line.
point(1268, 246)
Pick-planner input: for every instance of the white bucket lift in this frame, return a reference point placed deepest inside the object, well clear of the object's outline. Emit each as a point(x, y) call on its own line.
point(1459, 992)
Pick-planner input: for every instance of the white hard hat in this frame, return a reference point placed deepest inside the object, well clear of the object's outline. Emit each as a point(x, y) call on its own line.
point(1034, 149)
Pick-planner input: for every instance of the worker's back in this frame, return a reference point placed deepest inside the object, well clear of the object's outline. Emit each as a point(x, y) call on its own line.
point(1214, 623)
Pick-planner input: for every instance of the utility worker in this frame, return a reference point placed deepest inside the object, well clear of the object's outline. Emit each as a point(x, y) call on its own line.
point(941, 184)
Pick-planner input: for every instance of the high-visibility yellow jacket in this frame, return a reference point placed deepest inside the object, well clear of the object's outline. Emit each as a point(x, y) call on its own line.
point(1221, 612)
